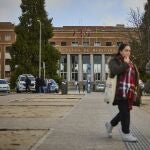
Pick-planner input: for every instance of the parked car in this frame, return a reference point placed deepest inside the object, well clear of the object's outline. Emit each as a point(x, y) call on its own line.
point(4, 86)
point(147, 87)
point(100, 87)
point(20, 84)
point(51, 86)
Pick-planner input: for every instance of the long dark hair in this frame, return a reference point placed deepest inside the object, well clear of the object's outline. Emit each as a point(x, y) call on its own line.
point(121, 47)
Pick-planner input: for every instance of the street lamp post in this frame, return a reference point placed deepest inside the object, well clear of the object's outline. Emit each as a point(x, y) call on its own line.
point(40, 50)
point(44, 69)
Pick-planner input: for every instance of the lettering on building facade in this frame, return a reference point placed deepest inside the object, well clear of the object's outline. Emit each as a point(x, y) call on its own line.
point(93, 50)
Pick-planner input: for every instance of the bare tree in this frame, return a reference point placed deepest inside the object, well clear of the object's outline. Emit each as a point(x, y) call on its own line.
point(135, 19)
point(137, 43)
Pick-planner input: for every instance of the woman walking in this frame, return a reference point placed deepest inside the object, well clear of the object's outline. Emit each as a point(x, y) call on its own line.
point(127, 86)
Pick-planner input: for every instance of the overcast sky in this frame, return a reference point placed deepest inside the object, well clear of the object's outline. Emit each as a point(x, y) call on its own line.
point(77, 12)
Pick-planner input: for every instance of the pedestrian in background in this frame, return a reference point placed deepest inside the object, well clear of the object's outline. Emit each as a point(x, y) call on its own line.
point(37, 84)
point(27, 84)
point(76, 86)
point(83, 87)
point(79, 87)
point(49, 86)
point(127, 85)
point(42, 84)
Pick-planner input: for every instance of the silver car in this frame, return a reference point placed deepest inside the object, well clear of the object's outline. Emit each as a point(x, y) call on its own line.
point(100, 87)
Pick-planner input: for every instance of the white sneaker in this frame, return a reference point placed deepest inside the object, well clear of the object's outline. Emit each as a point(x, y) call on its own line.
point(128, 138)
point(109, 129)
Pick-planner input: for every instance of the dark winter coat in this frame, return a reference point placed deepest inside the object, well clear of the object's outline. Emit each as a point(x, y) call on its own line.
point(27, 81)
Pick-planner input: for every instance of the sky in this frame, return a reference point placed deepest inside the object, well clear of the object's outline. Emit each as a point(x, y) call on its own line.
point(77, 12)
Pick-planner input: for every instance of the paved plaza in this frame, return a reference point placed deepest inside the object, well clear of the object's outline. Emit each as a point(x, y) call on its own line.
point(67, 122)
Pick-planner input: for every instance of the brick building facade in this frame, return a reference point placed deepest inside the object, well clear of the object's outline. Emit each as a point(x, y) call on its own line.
point(7, 37)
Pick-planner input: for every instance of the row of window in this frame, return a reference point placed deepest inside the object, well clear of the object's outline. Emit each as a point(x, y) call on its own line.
point(7, 37)
point(85, 43)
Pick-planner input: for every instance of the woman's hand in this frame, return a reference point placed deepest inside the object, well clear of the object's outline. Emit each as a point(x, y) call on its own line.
point(126, 59)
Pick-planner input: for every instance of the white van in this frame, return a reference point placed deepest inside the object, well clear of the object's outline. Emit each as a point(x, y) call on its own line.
point(20, 84)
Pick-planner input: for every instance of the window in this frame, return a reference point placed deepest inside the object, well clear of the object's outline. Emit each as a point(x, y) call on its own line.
point(7, 37)
point(74, 43)
point(7, 50)
point(97, 67)
point(108, 44)
point(74, 67)
point(52, 43)
point(63, 66)
point(63, 43)
point(85, 43)
point(97, 44)
point(86, 64)
point(7, 73)
point(118, 43)
point(107, 59)
point(7, 61)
